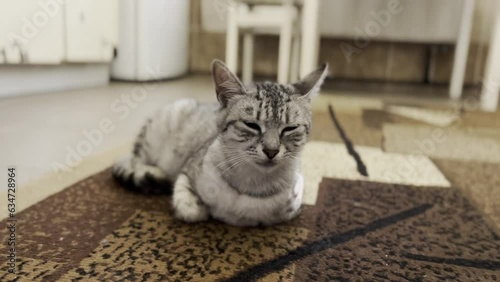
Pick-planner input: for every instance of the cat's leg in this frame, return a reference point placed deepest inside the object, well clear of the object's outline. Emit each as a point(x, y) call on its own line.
point(137, 172)
point(136, 175)
point(187, 205)
point(292, 207)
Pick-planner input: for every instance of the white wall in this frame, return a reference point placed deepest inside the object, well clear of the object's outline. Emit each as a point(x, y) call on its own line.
point(433, 21)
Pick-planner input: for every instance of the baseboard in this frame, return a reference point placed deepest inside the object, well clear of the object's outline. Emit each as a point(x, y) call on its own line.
point(28, 79)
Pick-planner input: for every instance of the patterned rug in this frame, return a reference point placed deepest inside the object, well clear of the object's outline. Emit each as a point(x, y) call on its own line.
point(413, 218)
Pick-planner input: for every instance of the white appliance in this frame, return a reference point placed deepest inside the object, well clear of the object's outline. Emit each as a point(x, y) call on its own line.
point(153, 41)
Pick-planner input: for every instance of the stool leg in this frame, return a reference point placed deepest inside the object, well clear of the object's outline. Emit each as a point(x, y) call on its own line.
point(491, 82)
point(294, 69)
point(232, 40)
point(248, 57)
point(461, 50)
point(309, 47)
point(284, 52)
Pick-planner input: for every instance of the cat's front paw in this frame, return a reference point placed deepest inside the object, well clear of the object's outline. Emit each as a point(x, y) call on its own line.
point(187, 205)
point(189, 211)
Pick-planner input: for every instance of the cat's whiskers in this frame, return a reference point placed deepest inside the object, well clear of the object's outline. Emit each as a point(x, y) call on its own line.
point(234, 165)
point(230, 160)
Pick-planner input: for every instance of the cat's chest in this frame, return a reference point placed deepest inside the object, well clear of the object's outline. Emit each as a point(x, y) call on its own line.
point(226, 201)
point(216, 190)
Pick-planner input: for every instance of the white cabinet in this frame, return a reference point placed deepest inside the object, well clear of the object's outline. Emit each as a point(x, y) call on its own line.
point(55, 31)
point(55, 45)
point(91, 30)
point(31, 31)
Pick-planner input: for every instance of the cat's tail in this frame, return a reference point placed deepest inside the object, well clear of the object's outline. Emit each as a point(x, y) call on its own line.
point(132, 173)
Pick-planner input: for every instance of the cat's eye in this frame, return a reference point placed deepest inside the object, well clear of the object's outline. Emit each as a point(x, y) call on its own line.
point(288, 129)
point(252, 125)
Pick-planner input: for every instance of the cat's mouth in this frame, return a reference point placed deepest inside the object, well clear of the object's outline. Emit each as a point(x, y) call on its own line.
point(269, 163)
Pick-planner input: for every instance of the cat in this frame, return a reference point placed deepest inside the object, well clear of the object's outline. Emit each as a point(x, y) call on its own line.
point(237, 160)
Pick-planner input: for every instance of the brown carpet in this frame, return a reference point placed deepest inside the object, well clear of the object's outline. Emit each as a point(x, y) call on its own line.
point(355, 230)
point(96, 231)
point(479, 181)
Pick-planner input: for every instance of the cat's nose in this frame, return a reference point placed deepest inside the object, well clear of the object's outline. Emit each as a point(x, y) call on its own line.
point(270, 153)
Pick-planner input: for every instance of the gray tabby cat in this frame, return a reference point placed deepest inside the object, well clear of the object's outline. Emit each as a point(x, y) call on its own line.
point(238, 161)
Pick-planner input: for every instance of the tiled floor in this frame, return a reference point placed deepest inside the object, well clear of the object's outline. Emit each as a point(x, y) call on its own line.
point(38, 130)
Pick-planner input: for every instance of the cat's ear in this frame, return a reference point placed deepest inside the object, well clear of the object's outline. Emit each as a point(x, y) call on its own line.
point(310, 85)
point(227, 85)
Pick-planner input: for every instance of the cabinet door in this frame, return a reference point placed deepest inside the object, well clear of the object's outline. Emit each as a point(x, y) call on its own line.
point(31, 32)
point(91, 30)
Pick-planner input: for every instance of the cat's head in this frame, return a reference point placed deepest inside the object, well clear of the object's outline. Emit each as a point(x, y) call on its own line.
point(265, 124)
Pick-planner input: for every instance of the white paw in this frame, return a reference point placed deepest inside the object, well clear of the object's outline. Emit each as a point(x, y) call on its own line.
point(122, 166)
point(143, 172)
point(190, 211)
point(188, 207)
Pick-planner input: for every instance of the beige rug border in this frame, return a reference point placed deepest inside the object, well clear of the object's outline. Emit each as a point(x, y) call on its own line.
point(54, 182)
